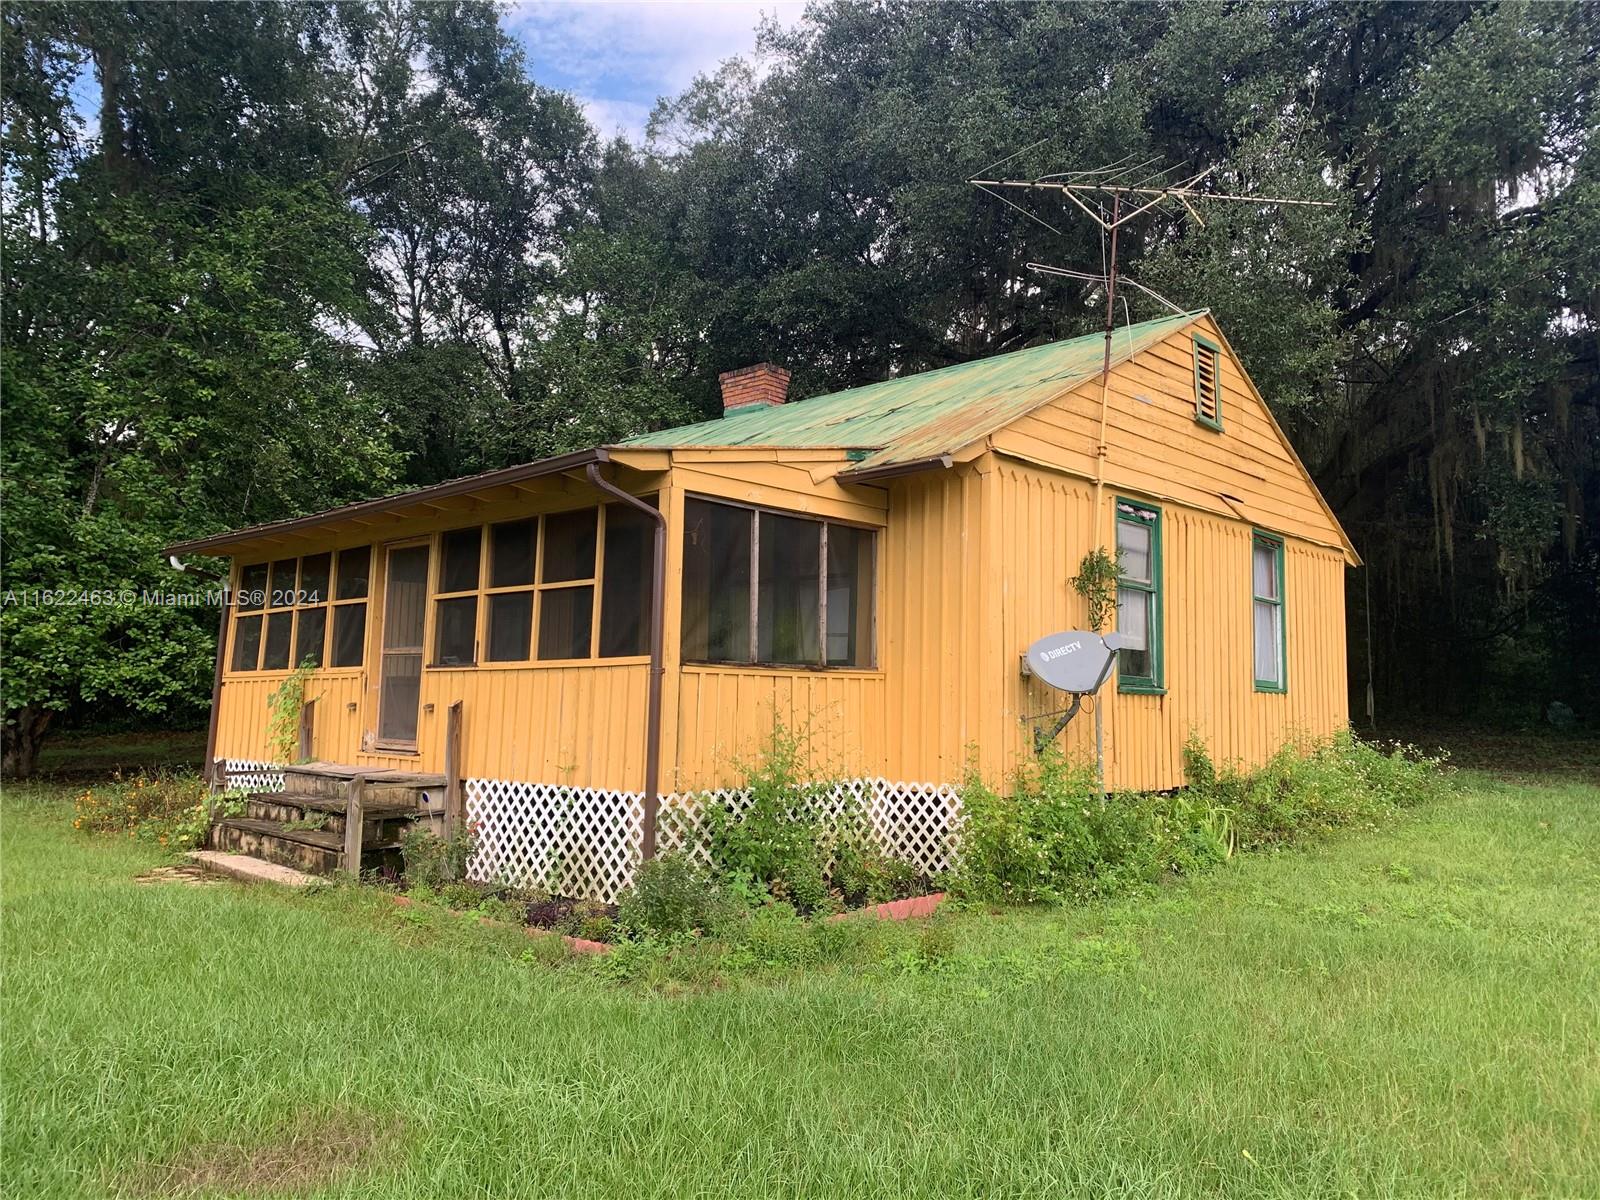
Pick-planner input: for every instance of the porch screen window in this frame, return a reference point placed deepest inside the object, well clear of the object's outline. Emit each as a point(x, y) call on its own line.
point(1266, 572)
point(775, 588)
point(544, 577)
point(350, 606)
point(281, 619)
point(455, 616)
point(1139, 665)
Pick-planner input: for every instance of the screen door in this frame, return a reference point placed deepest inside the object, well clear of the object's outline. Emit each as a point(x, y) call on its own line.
point(405, 607)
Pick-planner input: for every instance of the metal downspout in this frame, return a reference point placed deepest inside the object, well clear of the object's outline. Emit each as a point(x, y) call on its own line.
point(658, 595)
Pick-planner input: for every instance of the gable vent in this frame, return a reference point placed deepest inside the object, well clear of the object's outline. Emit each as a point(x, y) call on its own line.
point(1207, 384)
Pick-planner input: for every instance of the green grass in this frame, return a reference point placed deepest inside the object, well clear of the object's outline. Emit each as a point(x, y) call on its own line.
point(1409, 1011)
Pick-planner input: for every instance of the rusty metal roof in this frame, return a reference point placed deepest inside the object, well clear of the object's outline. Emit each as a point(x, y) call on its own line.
point(928, 414)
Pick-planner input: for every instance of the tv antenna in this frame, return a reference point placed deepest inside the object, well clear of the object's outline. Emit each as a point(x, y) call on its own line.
point(1132, 190)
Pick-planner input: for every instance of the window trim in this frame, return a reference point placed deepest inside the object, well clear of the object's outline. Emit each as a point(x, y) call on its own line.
point(1263, 538)
point(1154, 684)
point(295, 606)
point(753, 663)
point(1199, 341)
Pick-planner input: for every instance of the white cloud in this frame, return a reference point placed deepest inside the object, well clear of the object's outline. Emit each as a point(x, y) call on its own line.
point(619, 57)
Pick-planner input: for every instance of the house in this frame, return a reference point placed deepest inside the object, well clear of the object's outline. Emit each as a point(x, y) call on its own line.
point(867, 567)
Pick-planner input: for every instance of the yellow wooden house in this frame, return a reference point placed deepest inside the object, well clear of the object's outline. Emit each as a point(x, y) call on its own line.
point(629, 622)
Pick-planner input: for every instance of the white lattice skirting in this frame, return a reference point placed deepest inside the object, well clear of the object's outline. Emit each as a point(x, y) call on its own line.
point(584, 842)
point(257, 776)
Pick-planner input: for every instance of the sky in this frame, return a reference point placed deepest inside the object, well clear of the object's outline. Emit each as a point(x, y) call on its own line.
point(618, 57)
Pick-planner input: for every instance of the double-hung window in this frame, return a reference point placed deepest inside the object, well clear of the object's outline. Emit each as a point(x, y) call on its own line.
point(1266, 587)
point(1139, 665)
point(775, 589)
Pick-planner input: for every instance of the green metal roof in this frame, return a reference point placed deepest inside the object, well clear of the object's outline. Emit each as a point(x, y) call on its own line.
point(925, 415)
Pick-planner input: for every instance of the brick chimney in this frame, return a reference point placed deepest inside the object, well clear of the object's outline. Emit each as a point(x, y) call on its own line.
point(764, 385)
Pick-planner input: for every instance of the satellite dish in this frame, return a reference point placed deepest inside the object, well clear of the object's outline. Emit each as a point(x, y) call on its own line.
point(1077, 661)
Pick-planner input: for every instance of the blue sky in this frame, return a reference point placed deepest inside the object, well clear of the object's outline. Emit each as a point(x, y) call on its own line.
point(618, 57)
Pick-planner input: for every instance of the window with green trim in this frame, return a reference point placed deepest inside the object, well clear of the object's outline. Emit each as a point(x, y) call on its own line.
point(1266, 589)
point(1207, 382)
point(1139, 667)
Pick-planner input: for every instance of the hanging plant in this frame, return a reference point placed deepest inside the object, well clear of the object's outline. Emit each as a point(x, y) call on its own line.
point(1096, 582)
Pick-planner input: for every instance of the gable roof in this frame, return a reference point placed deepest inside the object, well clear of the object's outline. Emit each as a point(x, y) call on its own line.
point(928, 414)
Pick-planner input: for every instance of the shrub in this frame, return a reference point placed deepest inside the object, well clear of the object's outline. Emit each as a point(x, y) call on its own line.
point(434, 862)
point(671, 895)
point(1053, 838)
point(171, 810)
point(590, 920)
point(773, 842)
point(1311, 787)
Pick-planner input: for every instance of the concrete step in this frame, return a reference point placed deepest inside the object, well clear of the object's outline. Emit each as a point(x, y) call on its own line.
point(315, 851)
point(249, 870)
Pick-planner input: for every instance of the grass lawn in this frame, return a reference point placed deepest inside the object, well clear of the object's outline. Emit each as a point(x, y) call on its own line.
point(1411, 1011)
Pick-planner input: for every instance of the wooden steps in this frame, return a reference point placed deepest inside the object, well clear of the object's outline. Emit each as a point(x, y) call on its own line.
point(304, 827)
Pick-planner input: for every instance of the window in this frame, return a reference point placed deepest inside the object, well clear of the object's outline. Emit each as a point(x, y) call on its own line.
point(1139, 667)
point(1207, 383)
point(775, 588)
point(350, 607)
point(455, 613)
point(282, 615)
point(540, 585)
point(1266, 587)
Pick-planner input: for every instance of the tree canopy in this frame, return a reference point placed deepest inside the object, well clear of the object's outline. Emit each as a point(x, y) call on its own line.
point(264, 258)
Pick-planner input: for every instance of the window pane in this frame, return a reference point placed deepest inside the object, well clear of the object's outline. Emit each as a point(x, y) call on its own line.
point(716, 582)
point(355, 565)
point(510, 626)
point(511, 553)
point(849, 596)
point(569, 546)
point(401, 691)
point(1268, 669)
point(458, 560)
point(276, 655)
point(404, 599)
point(1134, 542)
point(630, 572)
point(246, 643)
point(349, 635)
point(566, 616)
point(253, 586)
point(457, 632)
point(308, 636)
point(281, 591)
point(788, 620)
point(1266, 570)
point(1133, 622)
point(314, 578)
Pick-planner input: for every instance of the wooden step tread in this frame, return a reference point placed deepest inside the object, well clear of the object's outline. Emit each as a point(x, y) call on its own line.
point(321, 838)
point(331, 804)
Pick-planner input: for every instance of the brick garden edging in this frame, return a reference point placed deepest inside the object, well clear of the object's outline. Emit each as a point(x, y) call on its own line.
point(909, 909)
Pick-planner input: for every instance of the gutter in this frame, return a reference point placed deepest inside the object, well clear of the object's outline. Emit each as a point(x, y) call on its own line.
point(652, 722)
point(209, 773)
point(895, 470)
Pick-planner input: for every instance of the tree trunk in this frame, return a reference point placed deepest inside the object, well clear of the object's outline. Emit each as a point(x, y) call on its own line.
point(24, 731)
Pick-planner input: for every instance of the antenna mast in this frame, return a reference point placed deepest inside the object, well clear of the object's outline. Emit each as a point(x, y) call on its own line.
point(1088, 190)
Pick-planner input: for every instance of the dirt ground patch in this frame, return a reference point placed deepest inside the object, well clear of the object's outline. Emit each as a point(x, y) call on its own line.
point(183, 876)
point(307, 1153)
